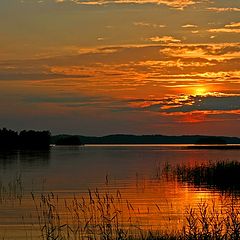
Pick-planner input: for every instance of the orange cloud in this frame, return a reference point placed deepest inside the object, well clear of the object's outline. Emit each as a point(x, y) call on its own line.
point(210, 52)
point(164, 39)
point(189, 26)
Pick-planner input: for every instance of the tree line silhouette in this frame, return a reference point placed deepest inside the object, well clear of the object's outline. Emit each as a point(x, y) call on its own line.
point(24, 139)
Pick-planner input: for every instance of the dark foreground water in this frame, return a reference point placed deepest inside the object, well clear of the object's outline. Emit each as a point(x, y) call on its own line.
point(135, 171)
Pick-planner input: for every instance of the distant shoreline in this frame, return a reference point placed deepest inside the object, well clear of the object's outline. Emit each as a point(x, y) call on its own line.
point(31, 139)
point(198, 140)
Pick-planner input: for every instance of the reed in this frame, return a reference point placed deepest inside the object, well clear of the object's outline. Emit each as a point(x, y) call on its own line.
point(12, 190)
point(211, 222)
point(100, 216)
point(222, 175)
point(97, 216)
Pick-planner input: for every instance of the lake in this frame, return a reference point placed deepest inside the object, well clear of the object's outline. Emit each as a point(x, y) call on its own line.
point(130, 173)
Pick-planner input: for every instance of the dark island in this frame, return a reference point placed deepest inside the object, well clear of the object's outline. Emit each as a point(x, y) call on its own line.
point(30, 139)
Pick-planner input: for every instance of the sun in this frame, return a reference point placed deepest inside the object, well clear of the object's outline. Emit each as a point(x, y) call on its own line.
point(200, 91)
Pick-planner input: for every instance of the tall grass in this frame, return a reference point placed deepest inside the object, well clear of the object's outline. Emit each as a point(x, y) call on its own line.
point(100, 216)
point(222, 175)
point(11, 190)
point(213, 222)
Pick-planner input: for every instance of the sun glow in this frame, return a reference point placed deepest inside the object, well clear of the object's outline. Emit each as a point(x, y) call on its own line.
point(200, 91)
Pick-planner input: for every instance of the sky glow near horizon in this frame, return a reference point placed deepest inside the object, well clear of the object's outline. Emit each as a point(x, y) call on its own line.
point(121, 66)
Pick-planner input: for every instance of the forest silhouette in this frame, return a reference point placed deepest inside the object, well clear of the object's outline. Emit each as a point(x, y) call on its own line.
point(30, 139)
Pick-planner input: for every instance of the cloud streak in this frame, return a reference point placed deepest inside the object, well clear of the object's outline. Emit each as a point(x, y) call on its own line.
point(229, 9)
point(146, 24)
point(179, 4)
point(233, 27)
point(37, 76)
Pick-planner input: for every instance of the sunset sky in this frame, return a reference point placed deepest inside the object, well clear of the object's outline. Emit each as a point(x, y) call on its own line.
point(97, 67)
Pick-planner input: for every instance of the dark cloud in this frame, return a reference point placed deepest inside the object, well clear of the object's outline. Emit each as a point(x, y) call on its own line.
point(37, 76)
point(200, 103)
point(60, 99)
point(209, 103)
point(100, 102)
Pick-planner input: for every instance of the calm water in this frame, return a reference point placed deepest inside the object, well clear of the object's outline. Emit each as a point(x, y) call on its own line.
point(134, 170)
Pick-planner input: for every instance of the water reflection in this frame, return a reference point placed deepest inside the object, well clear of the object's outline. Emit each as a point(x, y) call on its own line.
point(34, 158)
point(8, 158)
point(153, 199)
point(25, 158)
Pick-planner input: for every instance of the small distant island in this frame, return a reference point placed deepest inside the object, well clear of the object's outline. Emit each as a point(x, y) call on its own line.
point(213, 143)
point(211, 140)
point(68, 140)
